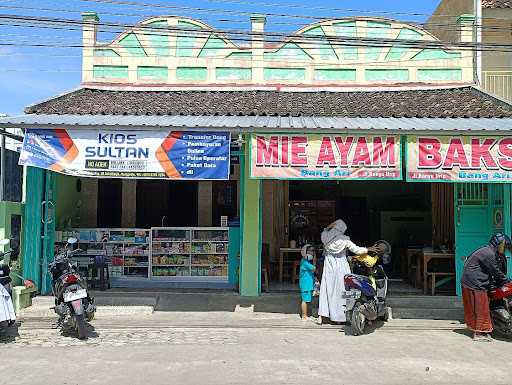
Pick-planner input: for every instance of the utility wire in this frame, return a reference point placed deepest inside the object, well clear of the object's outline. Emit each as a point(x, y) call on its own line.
point(301, 38)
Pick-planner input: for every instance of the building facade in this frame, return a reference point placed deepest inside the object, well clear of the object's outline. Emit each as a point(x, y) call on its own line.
point(334, 120)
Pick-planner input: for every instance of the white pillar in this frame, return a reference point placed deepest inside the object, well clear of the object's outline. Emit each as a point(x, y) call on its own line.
point(89, 33)
point(257, 48)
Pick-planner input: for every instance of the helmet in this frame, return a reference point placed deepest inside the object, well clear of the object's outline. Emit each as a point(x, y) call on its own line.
point(497, 238)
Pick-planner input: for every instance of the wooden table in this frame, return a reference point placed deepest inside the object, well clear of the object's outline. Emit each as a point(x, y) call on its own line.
point(282, 252)
point(427, 257)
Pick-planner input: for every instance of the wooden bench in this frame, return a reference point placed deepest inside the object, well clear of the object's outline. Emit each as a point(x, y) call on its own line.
point(434, 275)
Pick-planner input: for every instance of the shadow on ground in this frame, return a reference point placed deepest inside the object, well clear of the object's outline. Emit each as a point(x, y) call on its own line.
point(9, 335)
point(211, 301)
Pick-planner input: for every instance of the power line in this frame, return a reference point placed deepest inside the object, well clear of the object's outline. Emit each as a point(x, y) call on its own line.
point(302, 38)
point(283, 15)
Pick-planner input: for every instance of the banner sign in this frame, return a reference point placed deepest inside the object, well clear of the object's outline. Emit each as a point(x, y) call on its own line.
point(328, 156)
point(156, 154)
point(459, 159)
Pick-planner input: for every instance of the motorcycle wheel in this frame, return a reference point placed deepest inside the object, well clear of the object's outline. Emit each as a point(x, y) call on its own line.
point(357, 321)
point(81, 327)
point(90, 316)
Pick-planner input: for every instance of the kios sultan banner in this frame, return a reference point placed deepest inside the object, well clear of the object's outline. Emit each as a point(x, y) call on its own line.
point(155, 154)
point(328, 156)
point(459, 158)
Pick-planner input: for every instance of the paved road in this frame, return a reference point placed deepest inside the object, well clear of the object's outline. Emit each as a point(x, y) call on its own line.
point(229, 348)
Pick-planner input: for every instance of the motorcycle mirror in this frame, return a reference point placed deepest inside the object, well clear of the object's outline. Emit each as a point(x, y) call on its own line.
point(72, 241)
point(4, 242)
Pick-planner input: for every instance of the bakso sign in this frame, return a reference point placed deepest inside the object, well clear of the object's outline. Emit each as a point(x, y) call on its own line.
point(327, 156)
point(459, 159)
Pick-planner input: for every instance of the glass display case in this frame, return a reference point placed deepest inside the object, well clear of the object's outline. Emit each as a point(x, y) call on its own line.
point(127, 250)
point(192, 252)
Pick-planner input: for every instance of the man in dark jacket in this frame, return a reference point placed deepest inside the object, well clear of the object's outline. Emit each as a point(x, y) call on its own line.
point(482, 271)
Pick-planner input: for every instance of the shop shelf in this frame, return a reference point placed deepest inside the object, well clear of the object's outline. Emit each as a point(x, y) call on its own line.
point(170, 265)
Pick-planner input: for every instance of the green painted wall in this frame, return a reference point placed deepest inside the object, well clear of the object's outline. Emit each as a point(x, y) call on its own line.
point(289, 50)
point(152, 73)
point(284, 73)
point(251, 209)
point(347, 29)
point(214, 46)
point(105, 52)
point(132, 45)
point(7, 209)
point(110, 72)
point(441, 74)
point(186, 40)
point(436, 54)
point(323, 47)
point(67, 213)
point(231, 73)
point(376, 30)
point(397, 53)
point(191, 73)
point(387, 75)
point(240, 55)
point(159, 43)
point(335, 74)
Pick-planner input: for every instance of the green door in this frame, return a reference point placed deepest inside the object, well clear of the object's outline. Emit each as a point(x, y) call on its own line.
point(39, 226)
point(480, 210)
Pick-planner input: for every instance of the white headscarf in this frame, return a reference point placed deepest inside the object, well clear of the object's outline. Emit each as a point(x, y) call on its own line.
point(304, 250)
point(336, 233)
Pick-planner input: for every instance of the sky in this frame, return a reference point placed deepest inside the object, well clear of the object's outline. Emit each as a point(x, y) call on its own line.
point(30, 74)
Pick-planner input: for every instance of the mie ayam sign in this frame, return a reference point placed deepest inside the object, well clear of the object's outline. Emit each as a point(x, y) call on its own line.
point(459, 158)
point(328, 156)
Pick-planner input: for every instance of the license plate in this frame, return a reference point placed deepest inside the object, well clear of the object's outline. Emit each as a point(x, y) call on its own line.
point(351, 294)
point(71, 296)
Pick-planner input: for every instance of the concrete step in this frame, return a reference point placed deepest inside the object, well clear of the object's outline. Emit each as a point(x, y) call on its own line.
point(425, 302)
point(430, 314)
point(42, 308)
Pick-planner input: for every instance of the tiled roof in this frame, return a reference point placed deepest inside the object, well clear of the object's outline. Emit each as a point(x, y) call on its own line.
point(462, 102)
point(497, 3)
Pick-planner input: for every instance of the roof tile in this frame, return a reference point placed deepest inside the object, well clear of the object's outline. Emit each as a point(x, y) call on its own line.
point(421, 103)
point(497, 3)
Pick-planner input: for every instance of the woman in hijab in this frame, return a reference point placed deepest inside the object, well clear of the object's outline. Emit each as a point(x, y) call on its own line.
point(336, 266)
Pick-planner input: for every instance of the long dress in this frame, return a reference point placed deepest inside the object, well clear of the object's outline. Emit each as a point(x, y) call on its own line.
point(331, 303)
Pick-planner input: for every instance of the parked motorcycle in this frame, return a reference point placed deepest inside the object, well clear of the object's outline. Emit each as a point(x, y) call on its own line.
point(501, 310)
point(366, 290)
point(72, 302)
point(7, 315)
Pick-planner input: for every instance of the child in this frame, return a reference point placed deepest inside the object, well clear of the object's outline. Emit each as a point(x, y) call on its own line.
point(306, 278)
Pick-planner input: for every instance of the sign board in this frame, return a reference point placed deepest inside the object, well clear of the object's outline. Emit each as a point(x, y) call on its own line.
point(155, 154)
point(327, 156)
point(483, 159)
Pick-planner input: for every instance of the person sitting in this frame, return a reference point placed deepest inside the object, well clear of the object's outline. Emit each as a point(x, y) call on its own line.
point(482, 272)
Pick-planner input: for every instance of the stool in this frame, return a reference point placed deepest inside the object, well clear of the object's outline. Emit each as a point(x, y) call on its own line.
point(433, 277)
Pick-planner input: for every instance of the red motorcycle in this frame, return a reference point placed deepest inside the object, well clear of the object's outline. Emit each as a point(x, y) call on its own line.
point(501, 309)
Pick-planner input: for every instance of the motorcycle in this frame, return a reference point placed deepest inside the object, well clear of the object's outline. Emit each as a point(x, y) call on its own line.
point(366, 290)
point(72, 301)
point(7, 315)
point(501, 310)
point(500, 303)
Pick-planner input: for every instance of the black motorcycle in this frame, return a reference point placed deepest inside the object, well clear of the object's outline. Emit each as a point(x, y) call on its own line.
point(72, 302)
point(8, 318)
